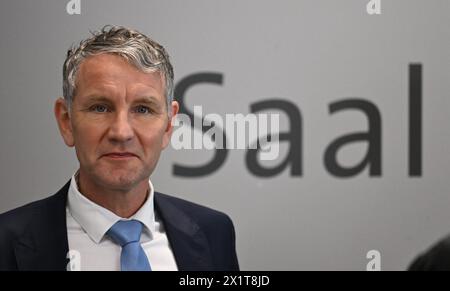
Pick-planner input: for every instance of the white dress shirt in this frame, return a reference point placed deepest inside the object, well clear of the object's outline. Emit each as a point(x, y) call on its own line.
point(88, 222)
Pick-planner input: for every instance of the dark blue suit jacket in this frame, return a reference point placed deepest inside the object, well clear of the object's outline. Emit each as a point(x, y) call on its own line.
point(34, 236)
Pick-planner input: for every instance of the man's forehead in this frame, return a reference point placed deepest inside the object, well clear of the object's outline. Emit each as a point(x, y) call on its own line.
point(108, 65)
point(109, 72)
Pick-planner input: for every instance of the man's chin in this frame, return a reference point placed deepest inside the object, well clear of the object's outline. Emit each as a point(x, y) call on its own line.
point(119, 181)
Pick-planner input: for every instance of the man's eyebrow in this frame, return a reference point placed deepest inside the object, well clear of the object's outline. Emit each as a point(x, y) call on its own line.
point(96, 98)
point(143, 99)
point(147, 99)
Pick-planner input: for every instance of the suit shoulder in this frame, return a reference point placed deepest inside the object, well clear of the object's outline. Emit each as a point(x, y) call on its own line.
point(198, 212)
point(436, 258)
point(18, 218)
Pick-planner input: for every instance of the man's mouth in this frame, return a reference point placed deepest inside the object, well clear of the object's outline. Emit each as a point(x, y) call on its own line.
point(120, 155)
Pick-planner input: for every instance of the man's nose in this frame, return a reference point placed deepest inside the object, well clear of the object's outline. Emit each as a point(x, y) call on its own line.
point(121, 129)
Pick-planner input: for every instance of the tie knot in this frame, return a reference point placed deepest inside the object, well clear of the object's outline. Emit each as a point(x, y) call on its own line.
point(124, 232)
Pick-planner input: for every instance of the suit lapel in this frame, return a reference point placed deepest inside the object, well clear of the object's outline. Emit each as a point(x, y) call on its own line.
point(44, 244)
point(187, 240)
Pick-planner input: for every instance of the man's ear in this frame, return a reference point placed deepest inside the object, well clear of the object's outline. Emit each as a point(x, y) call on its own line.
point(64, 123)
point(168, 132)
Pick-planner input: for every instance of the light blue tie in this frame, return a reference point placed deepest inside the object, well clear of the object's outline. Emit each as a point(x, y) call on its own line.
point(127, 234)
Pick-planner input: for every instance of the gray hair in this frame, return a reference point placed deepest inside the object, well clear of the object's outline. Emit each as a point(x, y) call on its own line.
point(136, 48)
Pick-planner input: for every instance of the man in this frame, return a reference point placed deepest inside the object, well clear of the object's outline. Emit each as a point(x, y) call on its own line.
point(117, 112)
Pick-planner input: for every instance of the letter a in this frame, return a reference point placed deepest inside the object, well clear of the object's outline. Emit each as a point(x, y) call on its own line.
point(374, 7)
point(73, 7)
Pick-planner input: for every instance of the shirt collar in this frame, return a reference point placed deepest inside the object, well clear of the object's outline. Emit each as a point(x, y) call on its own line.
point(97, 220)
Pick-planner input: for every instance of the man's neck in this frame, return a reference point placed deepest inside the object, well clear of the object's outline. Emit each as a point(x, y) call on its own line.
point(123, 203)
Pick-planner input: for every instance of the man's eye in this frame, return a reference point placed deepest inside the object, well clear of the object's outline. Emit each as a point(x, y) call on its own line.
point(99, 108)
point(142, 109)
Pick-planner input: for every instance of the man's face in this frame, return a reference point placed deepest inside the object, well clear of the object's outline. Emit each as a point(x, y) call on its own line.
point(119, 122)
